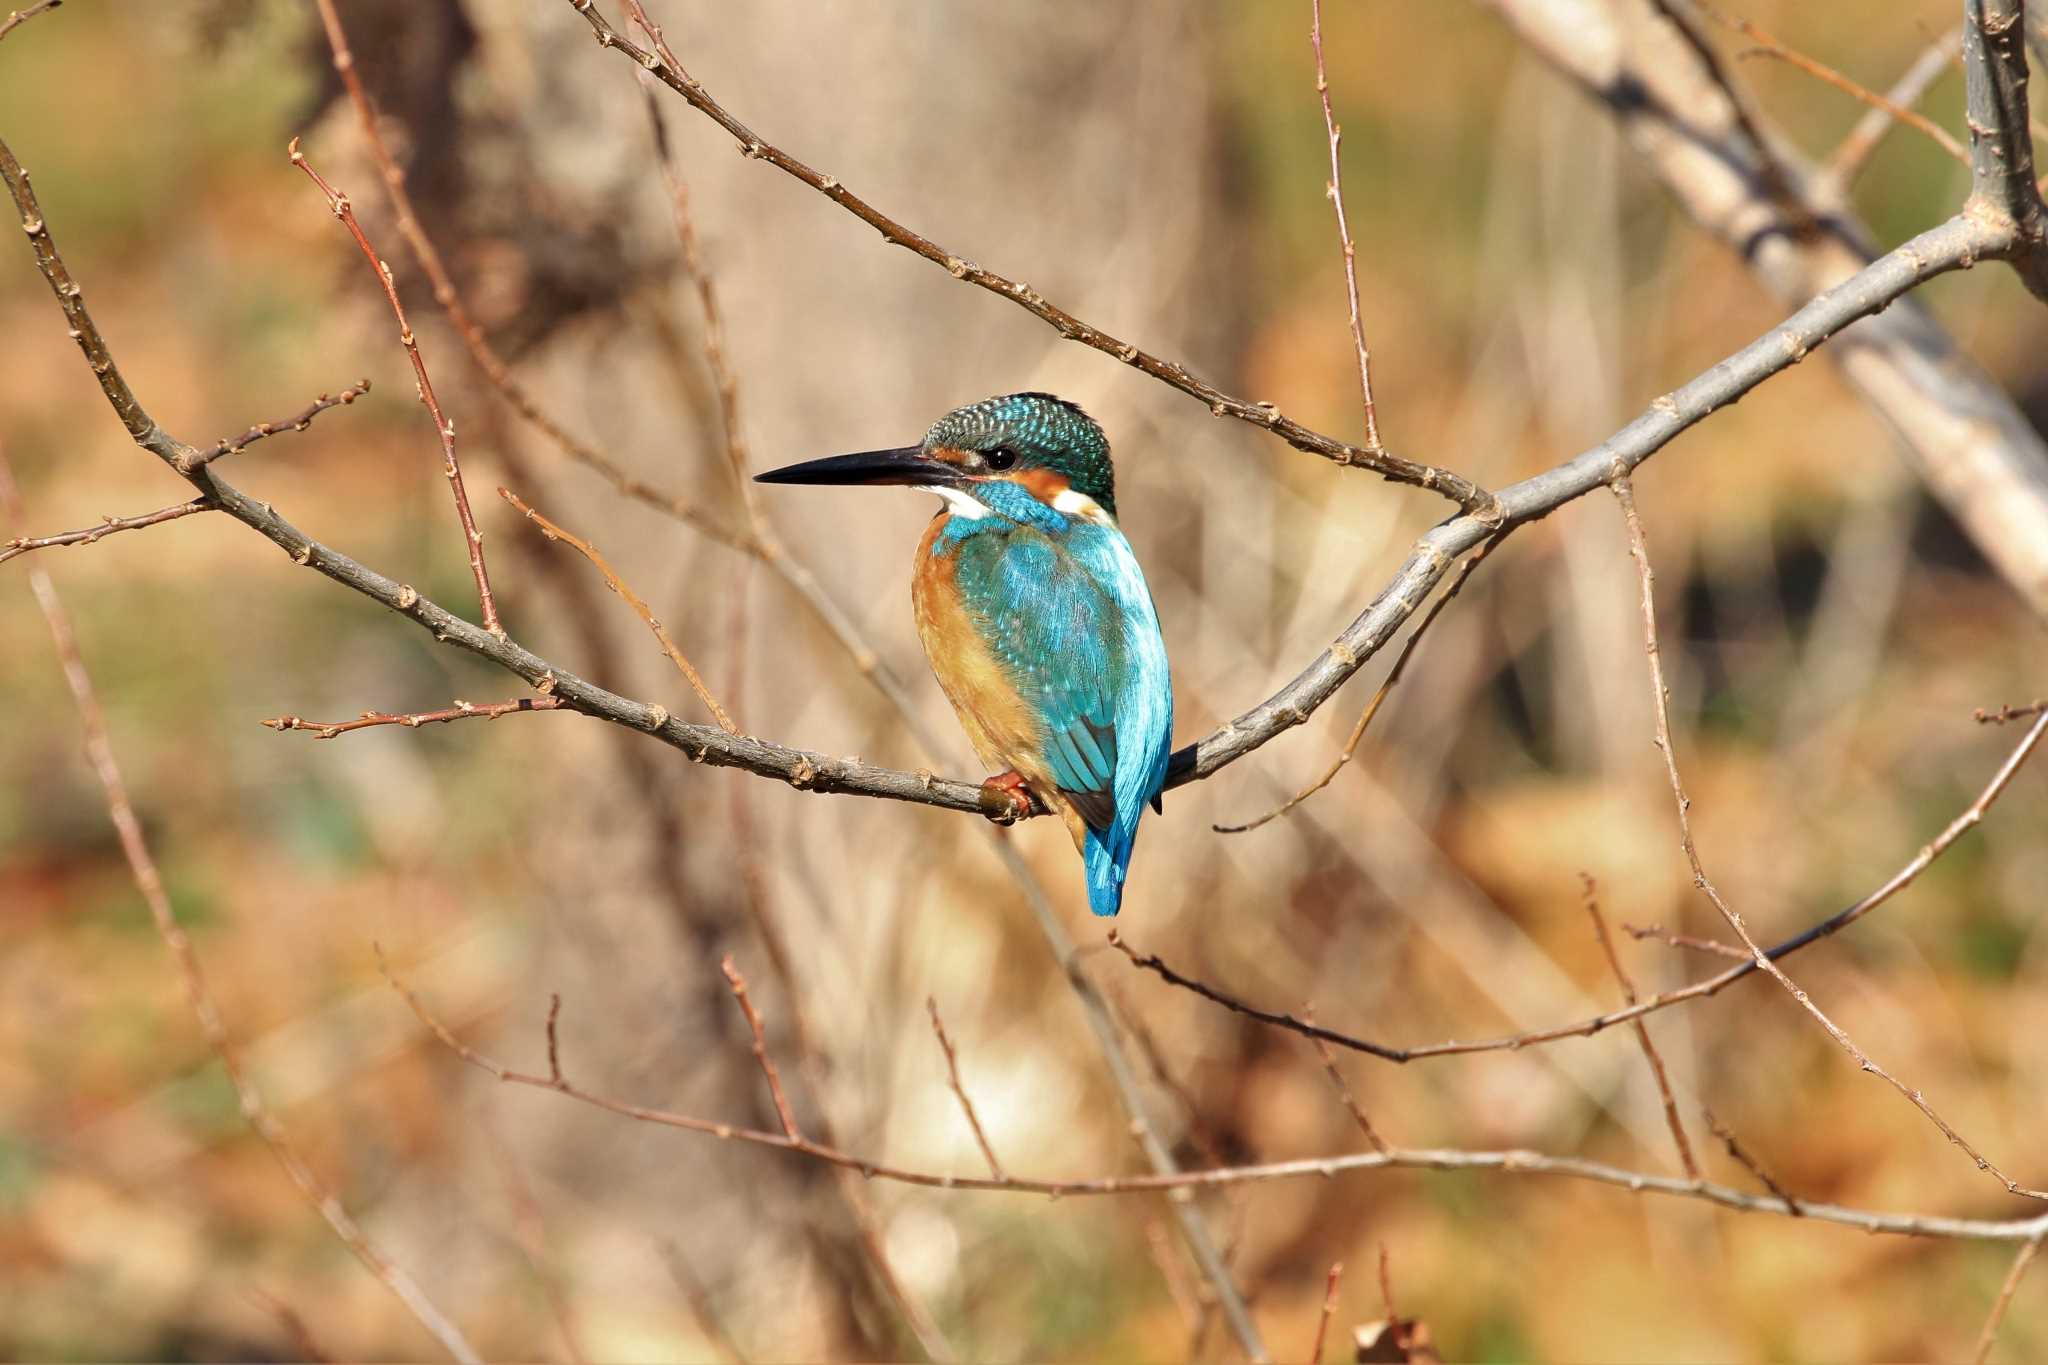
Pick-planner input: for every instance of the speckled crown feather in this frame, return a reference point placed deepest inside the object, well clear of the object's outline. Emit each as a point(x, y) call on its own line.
point(1043, 430)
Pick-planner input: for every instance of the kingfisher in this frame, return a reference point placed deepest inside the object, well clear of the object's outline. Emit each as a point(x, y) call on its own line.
point(1035, 615)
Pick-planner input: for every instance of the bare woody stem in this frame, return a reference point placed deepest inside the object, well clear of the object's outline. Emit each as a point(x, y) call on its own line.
point(995, 1167)
point(1457, 488)
point(633, 600)
point(1642, 1030)
point(1334, 189)
point(1516, 1162)
point(108, 526)
point(1638, 549)
point(234, 445)
point(479, 347)
point(462, 710)
point(473, 539)
point(199, 997)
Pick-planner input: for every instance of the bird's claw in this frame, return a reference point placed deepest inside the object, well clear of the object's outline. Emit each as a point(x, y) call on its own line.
point(1022, 804)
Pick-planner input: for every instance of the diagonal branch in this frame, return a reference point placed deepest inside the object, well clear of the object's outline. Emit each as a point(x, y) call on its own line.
point(1334, 190)
point(1458, 489)
point(234, 445)
point(1639, 551)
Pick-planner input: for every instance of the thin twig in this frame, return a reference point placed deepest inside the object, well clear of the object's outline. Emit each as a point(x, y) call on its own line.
point(18, 17)
point(1970, 818)
point(1769, 46)
point(767, 1063)
point(1855, 151)
point(1372, 706)
point(1315, 1353)
point(1468, 495)
point(1650, 1054)
point(1343, 1088)
point(1693, 941)
point(495, 371)
point(632, 599)
point(294, 1325)
point(299, 421)
point(462, 710)
point(339, 204)
point(21, 545)
point(1624, 494)
point(995, 1168)
point(1989, 1336)
point(1749, 1163)
point(2009, 712)
point(1333, 188)
point(199, 996)
point(1519, 1162)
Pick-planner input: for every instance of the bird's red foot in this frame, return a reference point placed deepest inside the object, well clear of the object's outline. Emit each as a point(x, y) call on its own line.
point(1023, 805)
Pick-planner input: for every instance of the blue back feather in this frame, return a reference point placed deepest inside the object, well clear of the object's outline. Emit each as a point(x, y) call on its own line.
point(1064, 608)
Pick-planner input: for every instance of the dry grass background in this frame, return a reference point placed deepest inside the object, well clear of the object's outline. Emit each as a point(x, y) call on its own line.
point(1157, 168)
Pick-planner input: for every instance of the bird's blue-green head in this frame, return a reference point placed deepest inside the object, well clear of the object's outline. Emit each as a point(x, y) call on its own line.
point(1043, 444)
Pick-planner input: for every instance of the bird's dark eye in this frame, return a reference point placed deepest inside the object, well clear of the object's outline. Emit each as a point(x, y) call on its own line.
point(1002, 457)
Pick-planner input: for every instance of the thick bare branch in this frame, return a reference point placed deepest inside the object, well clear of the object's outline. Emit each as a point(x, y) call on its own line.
point(2002, 188)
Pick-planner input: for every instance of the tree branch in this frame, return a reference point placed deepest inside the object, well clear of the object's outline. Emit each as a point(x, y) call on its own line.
point(1458, 489)
point(21, 545)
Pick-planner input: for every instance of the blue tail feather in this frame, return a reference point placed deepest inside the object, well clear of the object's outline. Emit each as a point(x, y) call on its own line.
point(1108, 855)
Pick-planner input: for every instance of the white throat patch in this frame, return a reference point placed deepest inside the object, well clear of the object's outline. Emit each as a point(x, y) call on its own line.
point(1077, 504)
point(962, 504)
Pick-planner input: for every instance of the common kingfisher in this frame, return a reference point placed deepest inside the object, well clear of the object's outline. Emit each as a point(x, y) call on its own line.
point(1035, 615)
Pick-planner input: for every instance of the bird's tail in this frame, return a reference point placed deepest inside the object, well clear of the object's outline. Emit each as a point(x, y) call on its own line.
point(1107, 853)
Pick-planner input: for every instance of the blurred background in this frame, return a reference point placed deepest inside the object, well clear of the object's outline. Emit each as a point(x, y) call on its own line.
point(1158, 169)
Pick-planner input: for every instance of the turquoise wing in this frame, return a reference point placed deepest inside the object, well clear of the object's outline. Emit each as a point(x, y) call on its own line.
point(1073, 625)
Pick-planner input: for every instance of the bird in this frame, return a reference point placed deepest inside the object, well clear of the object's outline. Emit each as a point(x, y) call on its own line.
point(1035, 615)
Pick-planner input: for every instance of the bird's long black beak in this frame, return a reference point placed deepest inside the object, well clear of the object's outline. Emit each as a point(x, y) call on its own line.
point(903, 465)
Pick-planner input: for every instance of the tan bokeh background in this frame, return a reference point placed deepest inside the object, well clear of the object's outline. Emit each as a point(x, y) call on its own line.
point(1157, 168)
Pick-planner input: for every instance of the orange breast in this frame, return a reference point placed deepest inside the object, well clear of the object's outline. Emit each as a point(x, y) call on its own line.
point(1006, 734)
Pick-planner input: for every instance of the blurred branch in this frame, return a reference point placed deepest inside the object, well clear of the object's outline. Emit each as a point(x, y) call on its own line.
point(21, 545)
point(473, 539)
point(1586, 1028)
point(1334, 190)
point(234, 445)
point(1989, 1336)
point(1458, 489)
point(18, 17)
point(1965, 438)
point(1693, 941)
point(1884, 107)
point(633, 600)
point(462, 710)
point(1624, 494)
point(1343, 1089)
point(1642, 1030)
point(1315, 1352)
point(2008, 712)
point(995, 1168)
point(1850, 158)
point(486, 359)
point(1515, 1162)
point(149, 883)
point(1750, 1163)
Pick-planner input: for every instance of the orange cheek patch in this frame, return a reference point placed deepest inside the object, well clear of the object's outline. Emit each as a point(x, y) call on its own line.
point(949, 454)
point(1043, 484)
